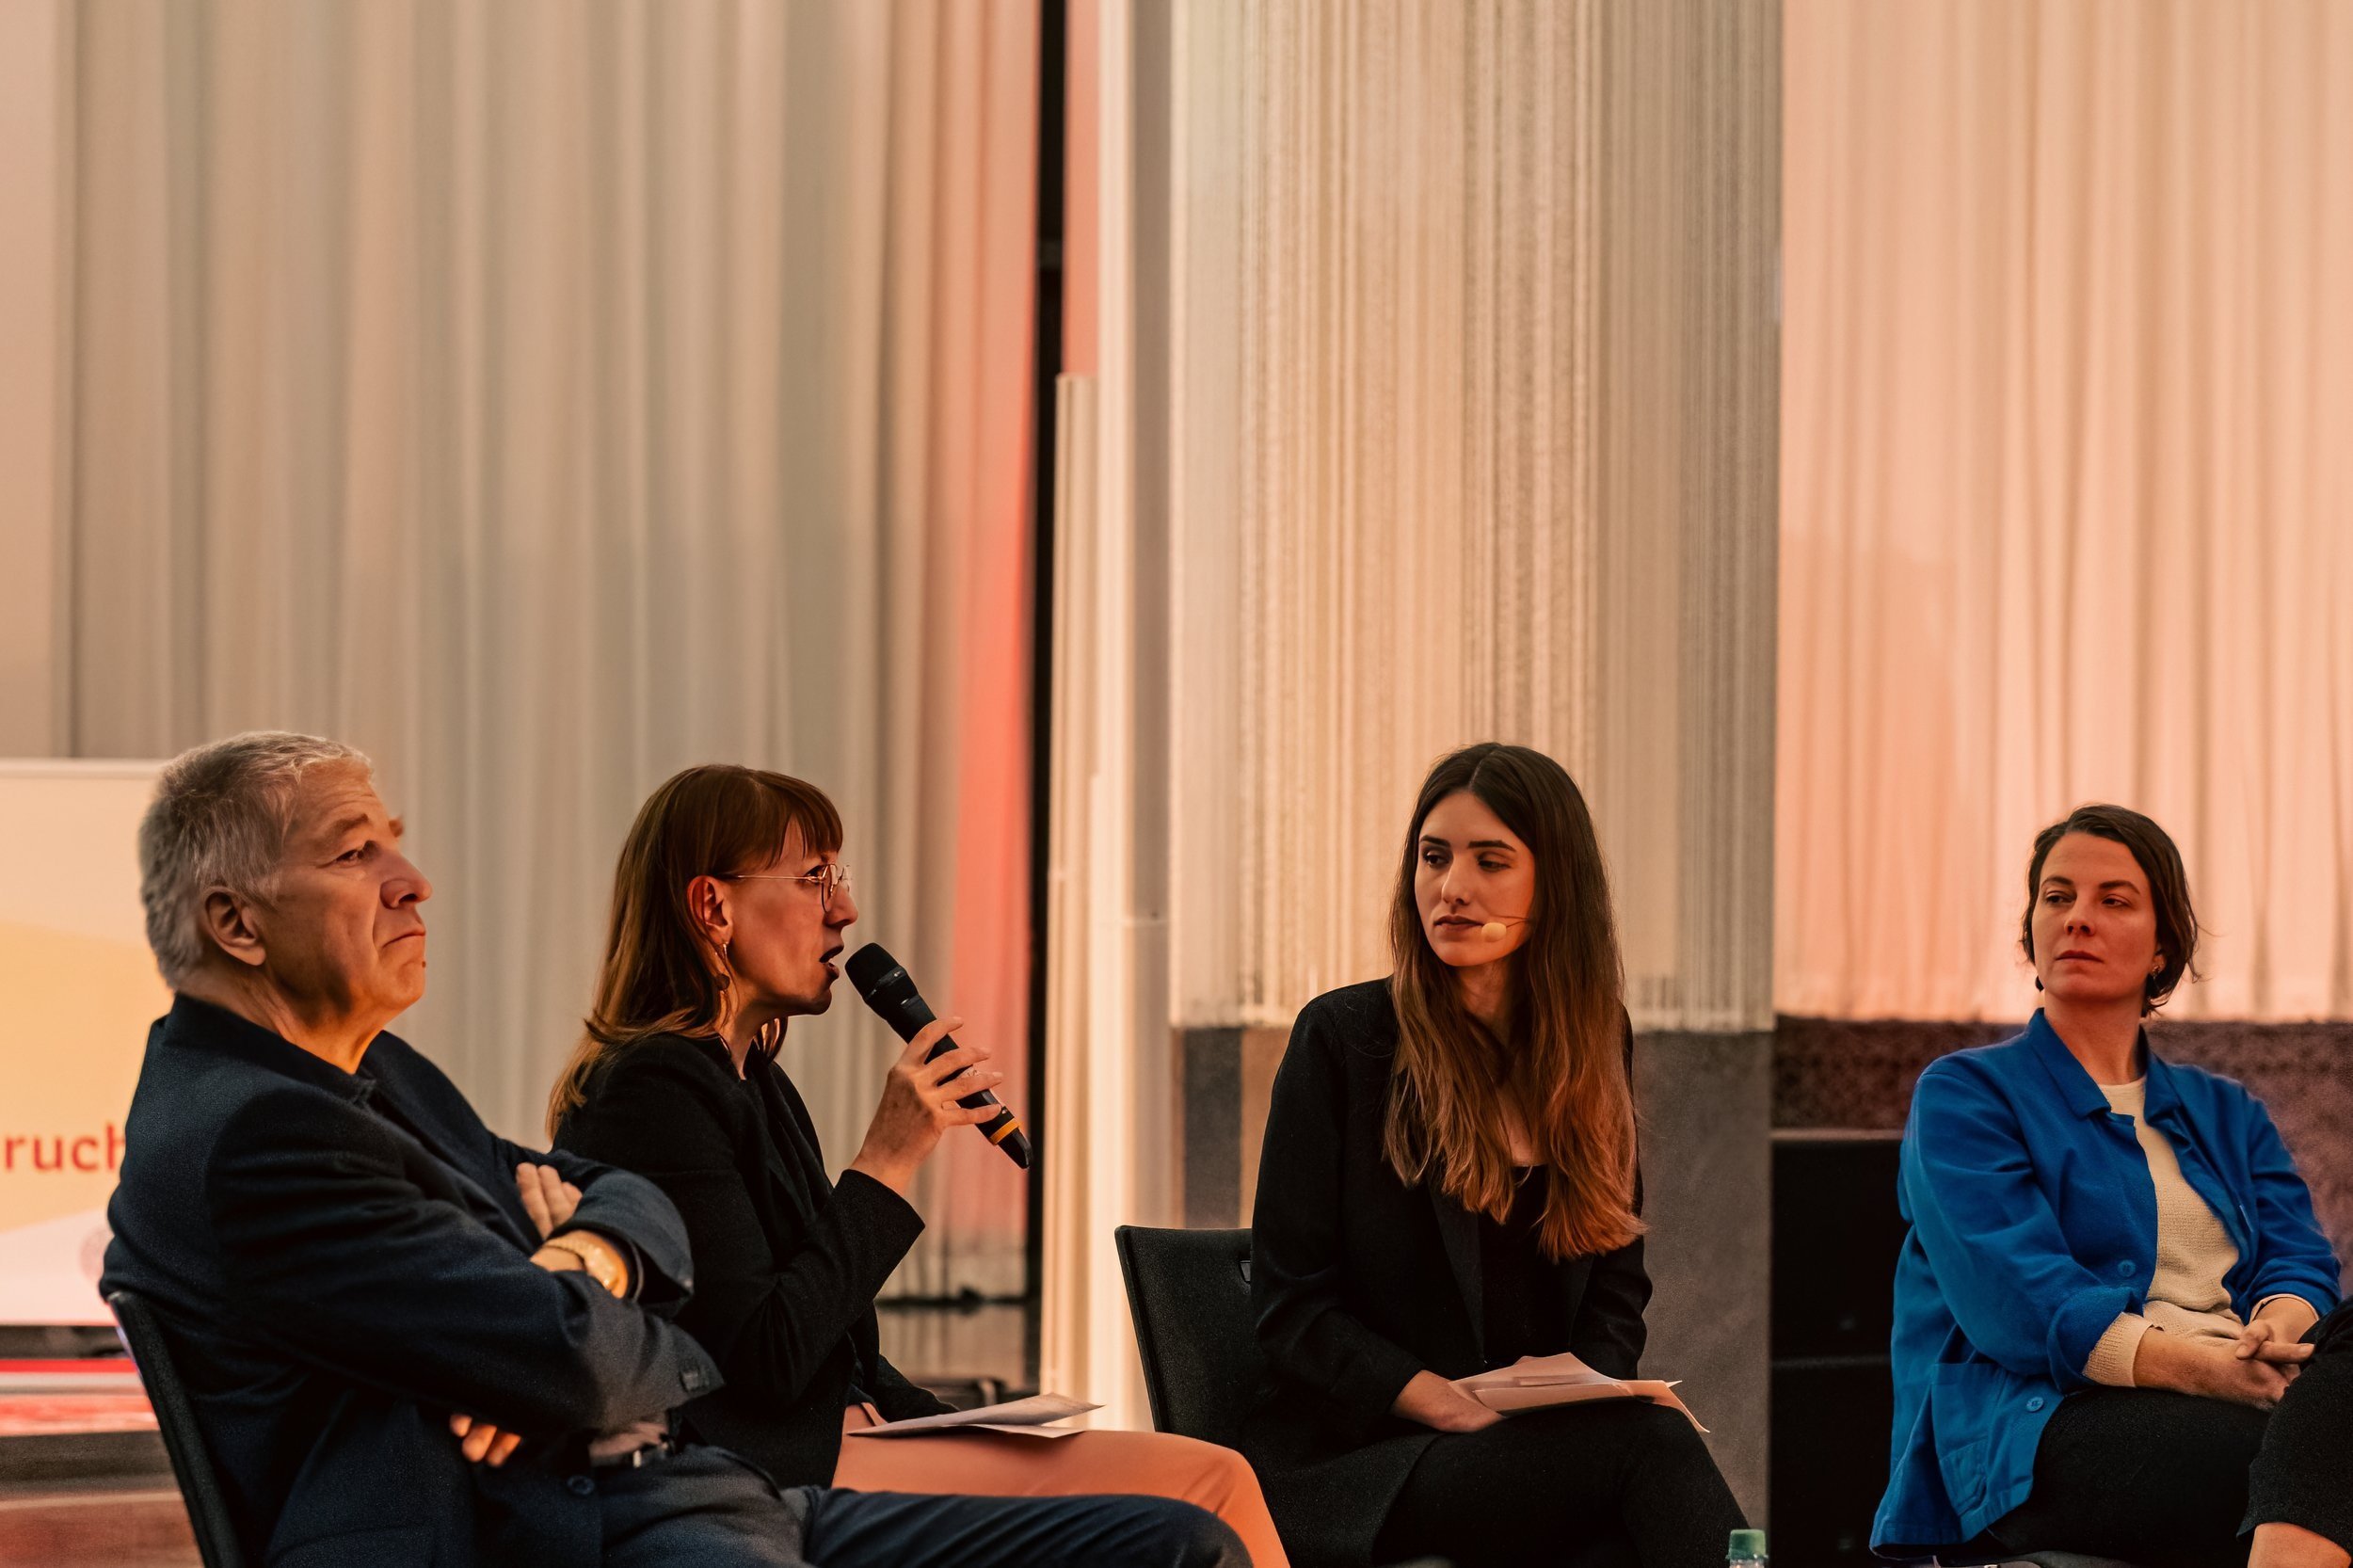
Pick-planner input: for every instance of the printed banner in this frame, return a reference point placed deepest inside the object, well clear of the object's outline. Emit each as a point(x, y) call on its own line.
point(80, 989)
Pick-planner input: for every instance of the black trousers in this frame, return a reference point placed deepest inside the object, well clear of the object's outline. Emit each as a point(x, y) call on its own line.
point(2171, 1481)
point(703, 1506)
point(1618, 1485)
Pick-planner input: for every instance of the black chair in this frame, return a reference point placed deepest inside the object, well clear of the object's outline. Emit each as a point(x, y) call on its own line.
point(208, 1511)
point(2009, 1560)
point(1189, 1292)
point(2053, 1560)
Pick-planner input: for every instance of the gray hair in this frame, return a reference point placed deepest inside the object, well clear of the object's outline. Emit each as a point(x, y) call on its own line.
point(220, 818)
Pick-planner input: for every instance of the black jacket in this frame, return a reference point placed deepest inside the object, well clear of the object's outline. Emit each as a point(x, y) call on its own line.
point(788, 1262)
point(341, 1261)
point(1360, 1281)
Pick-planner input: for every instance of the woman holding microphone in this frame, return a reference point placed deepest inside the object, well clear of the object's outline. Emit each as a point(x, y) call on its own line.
point(730, 909)
point(2109, 1302)
point(1449, 1184)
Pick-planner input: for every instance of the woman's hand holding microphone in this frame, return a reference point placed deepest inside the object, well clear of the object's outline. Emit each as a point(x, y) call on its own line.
point(918, 1103)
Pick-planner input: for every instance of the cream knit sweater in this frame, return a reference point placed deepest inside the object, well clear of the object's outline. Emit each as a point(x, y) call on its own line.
point(2186, 1295)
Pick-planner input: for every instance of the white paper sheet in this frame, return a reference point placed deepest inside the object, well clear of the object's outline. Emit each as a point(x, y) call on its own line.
point(1543, 1381)
point(1016, 1417)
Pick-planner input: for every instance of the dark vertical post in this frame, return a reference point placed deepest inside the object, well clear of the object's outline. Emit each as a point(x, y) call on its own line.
point(1045, 369)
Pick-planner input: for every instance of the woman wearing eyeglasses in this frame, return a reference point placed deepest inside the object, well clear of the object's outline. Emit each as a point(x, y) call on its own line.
point(729, 908)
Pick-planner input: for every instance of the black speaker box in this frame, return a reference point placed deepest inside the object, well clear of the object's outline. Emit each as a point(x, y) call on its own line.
point(1836, 1234)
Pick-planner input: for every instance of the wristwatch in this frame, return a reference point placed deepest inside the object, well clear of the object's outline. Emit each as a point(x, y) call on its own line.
point(599, 1257)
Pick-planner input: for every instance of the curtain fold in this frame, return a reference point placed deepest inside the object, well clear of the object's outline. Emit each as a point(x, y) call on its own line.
point(1473, 366)
point(2067, 376)
point(548, 395)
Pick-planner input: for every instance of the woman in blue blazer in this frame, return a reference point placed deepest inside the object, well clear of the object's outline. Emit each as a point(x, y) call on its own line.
point(2109, 1302)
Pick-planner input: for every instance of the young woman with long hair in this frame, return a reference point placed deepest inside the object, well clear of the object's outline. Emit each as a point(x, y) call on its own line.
point(1449, 1185)
point(729, 908)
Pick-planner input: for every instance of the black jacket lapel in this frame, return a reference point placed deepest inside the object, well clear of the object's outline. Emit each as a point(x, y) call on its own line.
point(796, 1167)
point(1458, 1227)
point(501, 1210)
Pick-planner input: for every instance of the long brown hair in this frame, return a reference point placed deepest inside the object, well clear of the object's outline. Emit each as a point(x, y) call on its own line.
point(1563, 1069)
point(660, 974)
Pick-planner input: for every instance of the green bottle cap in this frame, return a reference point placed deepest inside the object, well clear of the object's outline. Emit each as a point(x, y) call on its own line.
point(1745, 1546)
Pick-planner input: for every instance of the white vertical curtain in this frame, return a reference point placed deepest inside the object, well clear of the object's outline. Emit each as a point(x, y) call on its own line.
point(2068, 382)
point(1472, 370)
point(1435, 403)
point(549, 395)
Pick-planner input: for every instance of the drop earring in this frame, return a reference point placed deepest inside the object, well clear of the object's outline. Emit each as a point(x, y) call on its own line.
point(726, 961)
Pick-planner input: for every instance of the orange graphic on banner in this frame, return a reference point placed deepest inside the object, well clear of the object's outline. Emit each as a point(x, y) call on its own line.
point(70, 1048)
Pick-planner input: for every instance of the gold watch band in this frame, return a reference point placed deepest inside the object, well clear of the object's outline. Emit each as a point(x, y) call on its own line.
point(598, 1258)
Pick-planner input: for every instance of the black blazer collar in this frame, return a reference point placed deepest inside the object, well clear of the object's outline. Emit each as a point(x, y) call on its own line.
point(793, 1169)
point(1458, 1227)
point(198, 1025)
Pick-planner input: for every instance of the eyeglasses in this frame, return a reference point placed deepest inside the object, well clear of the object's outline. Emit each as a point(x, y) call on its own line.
point(827, 877)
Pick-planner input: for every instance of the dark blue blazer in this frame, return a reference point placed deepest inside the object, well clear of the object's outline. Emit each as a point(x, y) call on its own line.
point(341, 1261)
point(2034, 1222)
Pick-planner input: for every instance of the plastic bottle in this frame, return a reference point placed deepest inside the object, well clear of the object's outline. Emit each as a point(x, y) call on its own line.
point(1747, 1551)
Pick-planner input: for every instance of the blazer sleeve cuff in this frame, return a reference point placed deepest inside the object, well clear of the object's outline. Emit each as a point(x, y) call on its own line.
point(2076, 1330)
point(634, 1215)
point(878, 1212)
point(1372, 1382)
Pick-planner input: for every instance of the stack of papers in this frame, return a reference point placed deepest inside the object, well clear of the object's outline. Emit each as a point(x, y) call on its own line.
point(1541, 1382)
point(1021, 1417)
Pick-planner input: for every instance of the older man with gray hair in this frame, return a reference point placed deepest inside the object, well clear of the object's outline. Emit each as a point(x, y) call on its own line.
point(406, 1339)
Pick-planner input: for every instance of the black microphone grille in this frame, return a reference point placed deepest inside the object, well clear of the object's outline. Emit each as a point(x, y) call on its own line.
point(870, 968)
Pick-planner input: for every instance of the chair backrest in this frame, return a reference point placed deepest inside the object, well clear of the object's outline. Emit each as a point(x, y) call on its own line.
point(208, 1511)
point(1189, 1292)
point(2034, 1560)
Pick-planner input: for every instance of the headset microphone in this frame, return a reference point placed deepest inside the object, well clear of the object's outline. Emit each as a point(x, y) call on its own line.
point(1496, 930)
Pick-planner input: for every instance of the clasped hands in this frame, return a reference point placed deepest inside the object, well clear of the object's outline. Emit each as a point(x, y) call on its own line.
point(2253, 1370)
point(2266, 1339)
point(550, 1201)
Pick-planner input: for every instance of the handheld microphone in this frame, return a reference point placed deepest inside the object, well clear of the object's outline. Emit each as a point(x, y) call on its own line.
point(889, 990)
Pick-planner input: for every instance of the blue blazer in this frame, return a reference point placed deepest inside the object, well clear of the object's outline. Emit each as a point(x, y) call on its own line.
point(2033, 1223)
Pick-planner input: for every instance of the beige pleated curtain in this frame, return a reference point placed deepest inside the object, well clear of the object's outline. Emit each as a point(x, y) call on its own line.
point(2067, 453)
point(1472, 380)
point(1433, 404)
point(548, 394)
